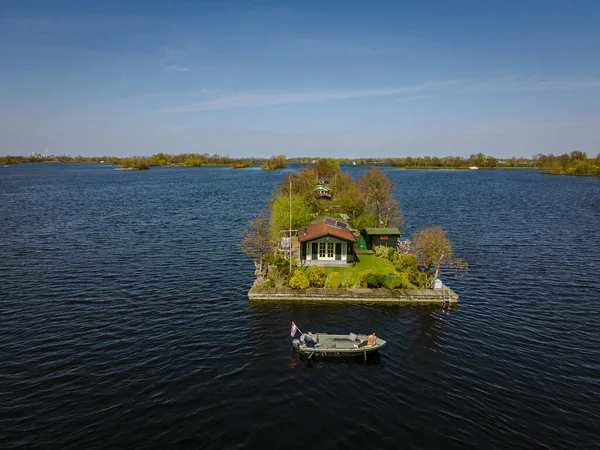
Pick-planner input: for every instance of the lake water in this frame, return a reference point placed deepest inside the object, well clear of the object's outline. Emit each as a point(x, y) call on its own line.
point(124, 320)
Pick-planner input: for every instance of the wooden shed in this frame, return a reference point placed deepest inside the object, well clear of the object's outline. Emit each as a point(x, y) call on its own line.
point(370, 237)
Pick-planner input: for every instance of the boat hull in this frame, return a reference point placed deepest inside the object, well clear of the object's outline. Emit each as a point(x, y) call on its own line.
point(337, 345)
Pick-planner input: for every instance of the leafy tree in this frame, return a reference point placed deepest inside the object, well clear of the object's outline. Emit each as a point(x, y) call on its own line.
point(327, 168)
point(303, 182)
point(347, 196)
point(257, 242)
point(432, 248)
point(299, 280)
point(280, 214)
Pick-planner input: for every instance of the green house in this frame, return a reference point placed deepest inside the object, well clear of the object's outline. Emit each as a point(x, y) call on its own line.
point(370, 237)
point(324, 244)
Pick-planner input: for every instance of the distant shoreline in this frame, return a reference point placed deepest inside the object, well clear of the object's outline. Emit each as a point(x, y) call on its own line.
point(576, 163)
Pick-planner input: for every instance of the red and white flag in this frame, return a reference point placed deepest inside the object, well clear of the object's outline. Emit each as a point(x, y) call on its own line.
point(294, 329)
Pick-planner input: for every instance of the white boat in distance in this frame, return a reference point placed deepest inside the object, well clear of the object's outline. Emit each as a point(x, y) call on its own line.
point(473, 167)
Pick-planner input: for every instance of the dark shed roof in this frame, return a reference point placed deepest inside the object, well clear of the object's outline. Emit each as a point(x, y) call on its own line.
point(381, 231)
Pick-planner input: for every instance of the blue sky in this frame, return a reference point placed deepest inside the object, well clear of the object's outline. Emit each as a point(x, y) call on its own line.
point(302, 78)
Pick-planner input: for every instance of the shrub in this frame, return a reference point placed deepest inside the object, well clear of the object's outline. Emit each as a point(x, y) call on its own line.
point(402, 281)
point(270, 282)
point(283, 265)
point(334, 280)
point(387, 280)
point(419, 279)
point(415, 279)
point(392, 254)
point(299, 281)
point(316, 276)
point(392, 281)
point(381, 251)
point(374, 280)
point(406, 263)
point(362, 279)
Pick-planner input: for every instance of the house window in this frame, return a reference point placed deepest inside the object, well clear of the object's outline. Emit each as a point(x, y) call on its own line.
point(326, 250)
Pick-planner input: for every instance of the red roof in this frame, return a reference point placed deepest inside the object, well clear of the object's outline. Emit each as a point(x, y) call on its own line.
point(320, 229)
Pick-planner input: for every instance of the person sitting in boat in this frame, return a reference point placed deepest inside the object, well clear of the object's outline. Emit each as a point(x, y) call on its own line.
point(309, 341)
point(370, 340)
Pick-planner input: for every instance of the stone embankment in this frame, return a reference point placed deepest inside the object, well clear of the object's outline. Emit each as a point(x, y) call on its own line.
point(441, 296)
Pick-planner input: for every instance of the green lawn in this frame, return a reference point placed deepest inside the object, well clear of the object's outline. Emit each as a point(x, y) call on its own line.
point(366, 263)
point(321, 217)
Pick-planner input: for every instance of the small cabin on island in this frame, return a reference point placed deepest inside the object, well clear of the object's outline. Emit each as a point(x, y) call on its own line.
point(326, 245)
point(371, 237)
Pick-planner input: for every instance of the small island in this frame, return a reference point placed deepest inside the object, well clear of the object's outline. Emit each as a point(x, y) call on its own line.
point(329, 237)
point(274, 163)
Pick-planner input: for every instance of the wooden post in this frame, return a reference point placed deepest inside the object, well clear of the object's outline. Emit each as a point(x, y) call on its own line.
point(290, 224)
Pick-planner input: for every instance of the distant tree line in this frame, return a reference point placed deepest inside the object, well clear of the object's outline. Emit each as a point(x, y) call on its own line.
point(479, 160)
point(142, 162)
point(197, 159)
point(574, 163)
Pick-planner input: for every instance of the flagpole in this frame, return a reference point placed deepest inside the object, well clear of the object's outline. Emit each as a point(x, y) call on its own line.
point(290, 225)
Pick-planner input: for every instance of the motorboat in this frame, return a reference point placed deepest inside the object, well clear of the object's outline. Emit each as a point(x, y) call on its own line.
point(337, 345)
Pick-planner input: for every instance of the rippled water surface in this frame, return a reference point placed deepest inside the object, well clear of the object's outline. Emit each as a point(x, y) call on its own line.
point(124, 320)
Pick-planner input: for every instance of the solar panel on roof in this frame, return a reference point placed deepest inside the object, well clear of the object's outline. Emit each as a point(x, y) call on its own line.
point(335, 223)
point(331, 222)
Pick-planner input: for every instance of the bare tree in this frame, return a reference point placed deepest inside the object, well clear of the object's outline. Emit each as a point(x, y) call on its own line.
point(390, 213)
point(257, 242)
point(383, 207)
point(432, 248)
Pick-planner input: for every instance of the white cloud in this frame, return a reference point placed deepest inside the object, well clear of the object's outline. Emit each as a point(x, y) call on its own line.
point(174, 68)
point(528, 84)
point(249, 99)
point(211, 100)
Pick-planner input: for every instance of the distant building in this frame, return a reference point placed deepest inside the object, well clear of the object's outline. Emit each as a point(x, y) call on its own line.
point(322, 190)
